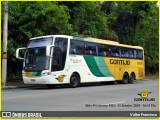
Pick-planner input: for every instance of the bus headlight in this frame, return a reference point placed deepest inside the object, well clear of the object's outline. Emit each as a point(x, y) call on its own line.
point(23, 74)
point(45, 74)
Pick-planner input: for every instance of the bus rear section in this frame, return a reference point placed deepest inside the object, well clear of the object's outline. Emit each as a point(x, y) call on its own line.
point(126, 70)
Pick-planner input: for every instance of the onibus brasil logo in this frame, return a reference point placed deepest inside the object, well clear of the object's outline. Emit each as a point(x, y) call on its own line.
point(144, 97)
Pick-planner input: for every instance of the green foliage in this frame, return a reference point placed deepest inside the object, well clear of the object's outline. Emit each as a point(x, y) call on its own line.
point(89, 20)
point(147, 35)
point(134, 23)
point(31, 19)
point(38, 18)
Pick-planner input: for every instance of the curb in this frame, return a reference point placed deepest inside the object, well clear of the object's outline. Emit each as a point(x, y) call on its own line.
point(13, 87)
point(9, 87)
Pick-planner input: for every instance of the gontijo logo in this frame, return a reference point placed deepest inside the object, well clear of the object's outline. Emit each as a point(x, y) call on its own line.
point(144, 94)
point(144, 97)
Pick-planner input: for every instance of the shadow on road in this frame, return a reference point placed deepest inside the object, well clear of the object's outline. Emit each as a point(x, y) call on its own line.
point(66, 86)
point(20, 84)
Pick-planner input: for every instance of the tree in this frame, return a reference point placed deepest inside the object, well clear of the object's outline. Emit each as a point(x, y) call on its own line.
point(89, 20)
point(146, 34)
point(31, 19)
point(136, 23)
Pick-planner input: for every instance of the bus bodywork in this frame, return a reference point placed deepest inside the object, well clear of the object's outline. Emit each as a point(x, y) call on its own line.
point(60, 59)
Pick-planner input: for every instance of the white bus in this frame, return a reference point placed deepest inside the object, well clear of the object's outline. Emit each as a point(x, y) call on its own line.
point(63, 59)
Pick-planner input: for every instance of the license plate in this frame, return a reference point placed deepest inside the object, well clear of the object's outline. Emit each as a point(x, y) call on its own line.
point(33, 80)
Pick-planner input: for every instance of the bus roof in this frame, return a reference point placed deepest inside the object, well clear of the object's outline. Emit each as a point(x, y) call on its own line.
point(90, 39)
point(52, 36)
point(112, 43)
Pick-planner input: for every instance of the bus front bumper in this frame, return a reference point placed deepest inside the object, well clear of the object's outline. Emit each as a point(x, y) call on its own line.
point(40, 80)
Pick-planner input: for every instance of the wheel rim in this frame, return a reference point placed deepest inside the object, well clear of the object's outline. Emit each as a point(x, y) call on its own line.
point(74, 81)
point(125, 78)
point(131, 80)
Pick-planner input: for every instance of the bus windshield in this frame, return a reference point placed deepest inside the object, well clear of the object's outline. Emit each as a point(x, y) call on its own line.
point(36, 59)
point(40, 42)
point(35, 56)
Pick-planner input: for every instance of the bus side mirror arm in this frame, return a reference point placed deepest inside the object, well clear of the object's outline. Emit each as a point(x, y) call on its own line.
point(17, 53)
point(48, 48)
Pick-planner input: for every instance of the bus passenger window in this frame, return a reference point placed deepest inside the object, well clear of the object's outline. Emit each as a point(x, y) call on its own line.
point(139, 54)
point(103, 53)
point(125, 53)
point(103, 50)
point(76, 47)
point(131, 54)
point(115, 52)
point(90, 49)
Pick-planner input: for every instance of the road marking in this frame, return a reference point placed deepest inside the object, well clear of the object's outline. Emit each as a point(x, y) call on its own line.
point(115, 103)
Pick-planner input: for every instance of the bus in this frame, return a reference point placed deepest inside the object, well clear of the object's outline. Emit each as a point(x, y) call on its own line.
point(63, 59)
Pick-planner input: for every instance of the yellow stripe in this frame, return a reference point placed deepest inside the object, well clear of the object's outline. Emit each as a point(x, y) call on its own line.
point(28, 74)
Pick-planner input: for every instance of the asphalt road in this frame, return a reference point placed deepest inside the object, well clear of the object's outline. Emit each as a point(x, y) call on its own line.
point(94, 97)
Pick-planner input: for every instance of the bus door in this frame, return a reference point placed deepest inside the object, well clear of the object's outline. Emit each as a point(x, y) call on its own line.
point(59, 54)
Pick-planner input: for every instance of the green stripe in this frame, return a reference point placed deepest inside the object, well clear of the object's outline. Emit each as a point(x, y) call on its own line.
point(36, 73)
point(102, 66)
point(92, 65)
point(97, 66)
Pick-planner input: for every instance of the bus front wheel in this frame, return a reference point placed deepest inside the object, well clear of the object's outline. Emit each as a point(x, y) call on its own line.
point(74, 80)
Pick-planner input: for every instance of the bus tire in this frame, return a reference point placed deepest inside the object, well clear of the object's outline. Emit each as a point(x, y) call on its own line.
point(74, 80)
point(131, 78)
point(125, 78)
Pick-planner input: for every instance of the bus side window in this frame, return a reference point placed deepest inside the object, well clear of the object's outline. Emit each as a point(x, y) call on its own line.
point(76, 47)
point(90, 49)
point(115, 52)
point(131, 53)
point(135, 54)
point(103, 50)
point(139, 54)
point(125, 53)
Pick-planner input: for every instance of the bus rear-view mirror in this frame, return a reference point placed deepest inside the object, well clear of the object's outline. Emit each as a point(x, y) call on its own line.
point(48, 49)
point(20, 53)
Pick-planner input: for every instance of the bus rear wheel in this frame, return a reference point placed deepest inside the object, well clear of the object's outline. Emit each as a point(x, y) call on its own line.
point(74, 80)
point(131, 78)
point(125, 78)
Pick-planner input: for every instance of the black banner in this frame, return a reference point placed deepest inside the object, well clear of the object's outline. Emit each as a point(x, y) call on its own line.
point(79, 114)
